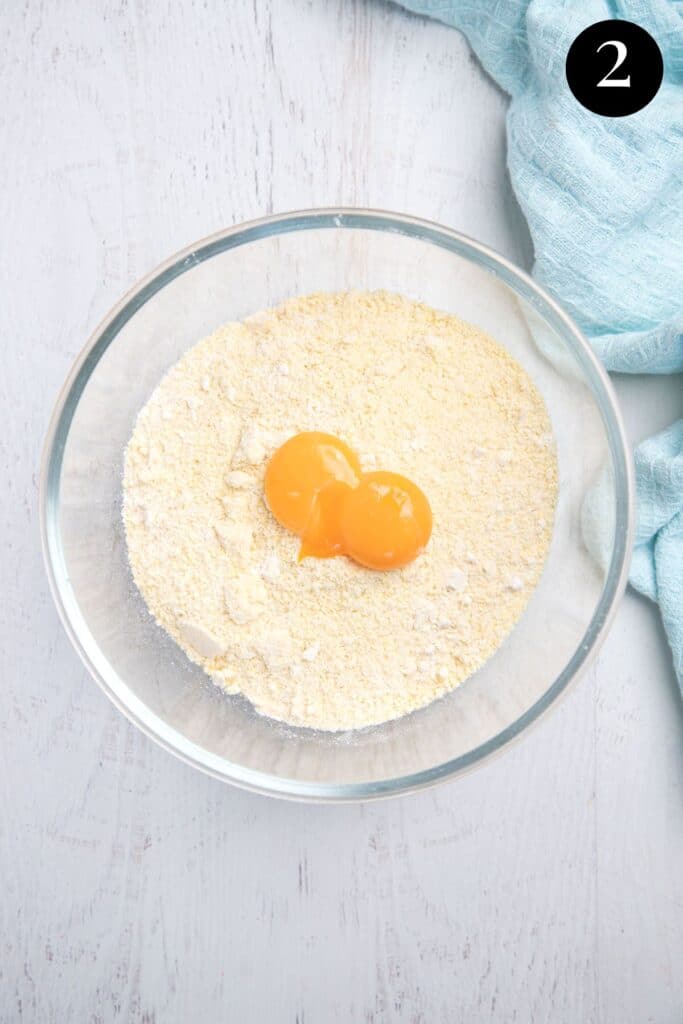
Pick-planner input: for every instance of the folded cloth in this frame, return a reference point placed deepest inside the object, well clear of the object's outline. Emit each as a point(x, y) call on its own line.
point(603, 198)
point(657, 567)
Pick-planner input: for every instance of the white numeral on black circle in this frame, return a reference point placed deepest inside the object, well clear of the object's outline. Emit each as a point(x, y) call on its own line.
point(616, 83)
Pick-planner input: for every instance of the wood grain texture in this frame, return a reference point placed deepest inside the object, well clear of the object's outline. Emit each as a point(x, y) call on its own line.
point(544, 887)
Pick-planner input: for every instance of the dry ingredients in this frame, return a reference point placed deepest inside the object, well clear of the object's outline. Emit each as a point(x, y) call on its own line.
point(326, 643)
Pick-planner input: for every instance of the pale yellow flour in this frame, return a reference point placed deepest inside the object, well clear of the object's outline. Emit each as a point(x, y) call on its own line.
point(325, 643)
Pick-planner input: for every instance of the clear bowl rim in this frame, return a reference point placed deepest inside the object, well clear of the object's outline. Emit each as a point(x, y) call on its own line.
point(104, 334)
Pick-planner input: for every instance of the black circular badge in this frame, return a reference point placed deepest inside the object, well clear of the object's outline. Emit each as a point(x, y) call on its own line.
point(614, 68)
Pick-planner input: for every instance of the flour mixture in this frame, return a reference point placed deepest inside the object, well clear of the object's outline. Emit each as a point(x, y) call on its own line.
point(325, 642)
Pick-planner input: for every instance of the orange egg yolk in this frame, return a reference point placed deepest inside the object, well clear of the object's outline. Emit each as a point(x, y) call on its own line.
point(314, 486)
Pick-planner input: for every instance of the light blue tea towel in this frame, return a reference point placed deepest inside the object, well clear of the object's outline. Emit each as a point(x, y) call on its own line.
point(604, 201)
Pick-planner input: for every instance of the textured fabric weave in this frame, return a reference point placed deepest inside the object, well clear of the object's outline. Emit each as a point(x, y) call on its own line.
point(603, 198)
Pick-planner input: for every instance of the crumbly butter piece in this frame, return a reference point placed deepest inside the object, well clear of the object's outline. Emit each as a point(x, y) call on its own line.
point(245, 598)
point(455, 579)
point(238, 478)
point(235, 538)
point(201, 640)
point(270, 567)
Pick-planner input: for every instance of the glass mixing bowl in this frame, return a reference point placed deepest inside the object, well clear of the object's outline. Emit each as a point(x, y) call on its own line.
point(240, 271)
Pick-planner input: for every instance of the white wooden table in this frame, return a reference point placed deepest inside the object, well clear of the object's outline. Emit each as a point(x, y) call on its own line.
point(545, 887)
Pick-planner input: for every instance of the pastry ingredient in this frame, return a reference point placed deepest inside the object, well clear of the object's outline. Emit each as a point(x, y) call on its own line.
point(315, 487)
point(324, 642)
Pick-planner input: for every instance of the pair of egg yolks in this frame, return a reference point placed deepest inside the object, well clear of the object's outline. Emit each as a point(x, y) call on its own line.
point(314, 487)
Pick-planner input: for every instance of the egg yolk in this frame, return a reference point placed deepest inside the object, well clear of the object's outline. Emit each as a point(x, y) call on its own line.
point(385, 522)
point(305, 481)
point(315, 488)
